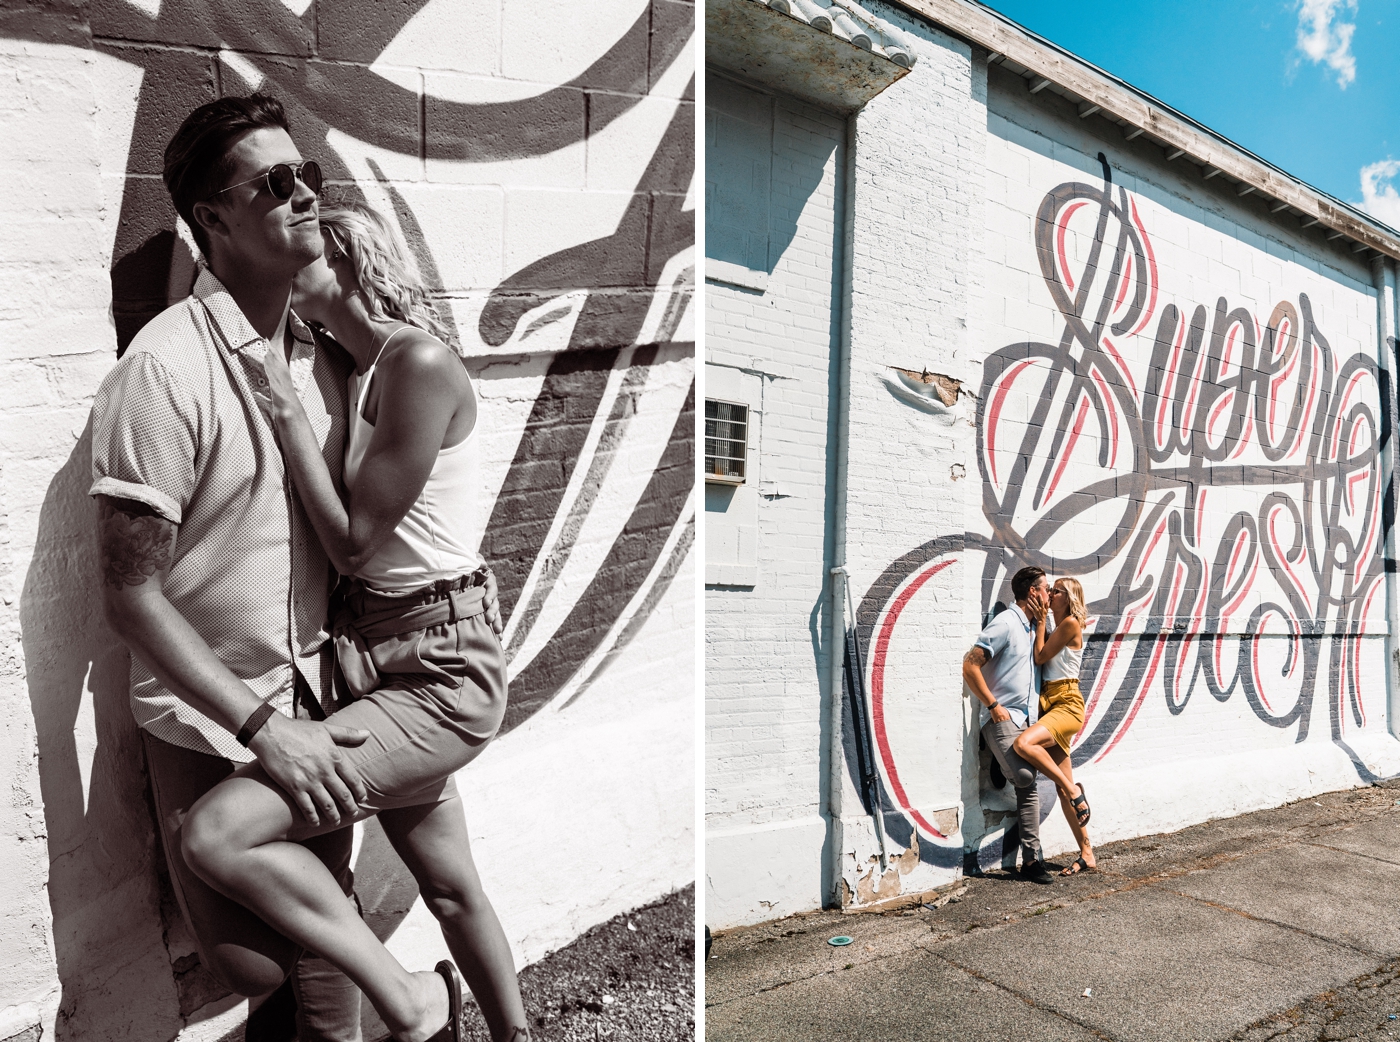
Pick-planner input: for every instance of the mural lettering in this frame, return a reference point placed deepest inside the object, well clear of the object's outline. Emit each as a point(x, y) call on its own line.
point(1215, 481)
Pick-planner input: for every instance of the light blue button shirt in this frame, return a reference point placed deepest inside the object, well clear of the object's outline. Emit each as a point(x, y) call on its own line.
point(1010, 673)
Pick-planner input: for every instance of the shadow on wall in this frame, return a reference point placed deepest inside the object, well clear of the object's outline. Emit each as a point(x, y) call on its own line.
point(102, 880)
point(747, 222)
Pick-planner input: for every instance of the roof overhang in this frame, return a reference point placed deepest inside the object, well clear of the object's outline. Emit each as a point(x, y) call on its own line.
point(777, 47)
point(1100, 94)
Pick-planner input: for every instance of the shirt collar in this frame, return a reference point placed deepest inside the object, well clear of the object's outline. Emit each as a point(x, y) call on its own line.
point(1025, 619)
point(237, 331)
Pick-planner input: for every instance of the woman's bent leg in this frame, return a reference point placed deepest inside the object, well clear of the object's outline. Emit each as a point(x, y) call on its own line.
point(1033, 745)
point(237, 839)
point(432, 840)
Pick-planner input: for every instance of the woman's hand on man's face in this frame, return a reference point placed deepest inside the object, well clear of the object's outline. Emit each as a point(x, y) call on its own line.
point(1039, 601)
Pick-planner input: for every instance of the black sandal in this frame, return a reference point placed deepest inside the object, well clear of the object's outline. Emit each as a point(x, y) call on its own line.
point(1081, 807)
point(452, 1030)
point(1077, 866)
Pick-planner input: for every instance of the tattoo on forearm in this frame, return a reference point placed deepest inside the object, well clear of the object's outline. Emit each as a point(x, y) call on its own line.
point(135, 542)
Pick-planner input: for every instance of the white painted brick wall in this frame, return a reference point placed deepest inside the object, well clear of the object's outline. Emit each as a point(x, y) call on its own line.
point(764, 675)
point(918, 219)
point(949, 171)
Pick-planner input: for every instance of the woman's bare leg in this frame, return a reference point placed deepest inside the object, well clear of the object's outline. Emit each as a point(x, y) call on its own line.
point(1033, 745)
point(432, 841)
point(1081, 832)
point(236, 838)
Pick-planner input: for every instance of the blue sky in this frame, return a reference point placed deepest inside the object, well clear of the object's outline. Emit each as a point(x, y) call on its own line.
point(1312, 86)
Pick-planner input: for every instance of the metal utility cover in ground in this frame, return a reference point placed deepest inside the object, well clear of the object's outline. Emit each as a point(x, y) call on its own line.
point(770, 48)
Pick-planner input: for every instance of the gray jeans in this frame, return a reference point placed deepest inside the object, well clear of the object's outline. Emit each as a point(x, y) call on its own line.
point(237, 948)
point(999, 738)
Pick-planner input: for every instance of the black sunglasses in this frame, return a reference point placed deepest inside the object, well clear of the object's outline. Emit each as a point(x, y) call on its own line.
point(282, 179)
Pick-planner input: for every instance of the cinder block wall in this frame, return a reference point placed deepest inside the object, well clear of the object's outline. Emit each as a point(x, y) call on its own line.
point(765, 636)
point(540, 163)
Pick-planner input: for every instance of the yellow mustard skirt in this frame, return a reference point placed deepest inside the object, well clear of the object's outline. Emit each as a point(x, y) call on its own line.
point(1062, 710)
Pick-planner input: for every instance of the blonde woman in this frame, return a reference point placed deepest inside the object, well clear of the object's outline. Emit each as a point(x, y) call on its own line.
point(1045, 744)
point(419, 658)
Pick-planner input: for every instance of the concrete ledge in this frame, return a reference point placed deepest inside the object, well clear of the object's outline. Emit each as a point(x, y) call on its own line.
point(735, 275)
point(772, 49)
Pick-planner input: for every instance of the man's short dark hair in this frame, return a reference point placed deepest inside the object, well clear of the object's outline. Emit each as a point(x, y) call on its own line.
point(197, 161)
point(1023, 580)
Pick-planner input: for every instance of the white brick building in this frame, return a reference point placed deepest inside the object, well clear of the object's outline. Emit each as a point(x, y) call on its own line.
point(1010, 310)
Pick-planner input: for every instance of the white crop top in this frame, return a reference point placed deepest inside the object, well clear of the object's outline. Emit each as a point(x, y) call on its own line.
point(437, 539)
point(1064, 666)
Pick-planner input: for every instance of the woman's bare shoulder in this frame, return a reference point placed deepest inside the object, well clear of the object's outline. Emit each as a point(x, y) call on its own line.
point(417, 354)
point(1074, 632)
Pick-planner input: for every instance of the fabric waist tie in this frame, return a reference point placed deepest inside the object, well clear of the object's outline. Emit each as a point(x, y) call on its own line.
point(352, 635)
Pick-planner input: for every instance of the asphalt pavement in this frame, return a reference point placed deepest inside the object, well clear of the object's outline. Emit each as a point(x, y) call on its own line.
point(1280, 924)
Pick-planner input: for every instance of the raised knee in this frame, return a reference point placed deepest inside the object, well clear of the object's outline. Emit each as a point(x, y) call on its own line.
point(201, 839)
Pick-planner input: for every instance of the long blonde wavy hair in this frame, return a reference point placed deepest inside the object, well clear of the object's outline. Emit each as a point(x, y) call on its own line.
point(1075, 594)
point(385, 269)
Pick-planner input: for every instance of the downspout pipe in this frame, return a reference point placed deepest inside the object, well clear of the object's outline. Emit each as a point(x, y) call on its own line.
point(1383, 277)
point(836, 637)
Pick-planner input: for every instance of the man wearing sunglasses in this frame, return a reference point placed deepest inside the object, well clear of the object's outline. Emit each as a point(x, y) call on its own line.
point(212, 573)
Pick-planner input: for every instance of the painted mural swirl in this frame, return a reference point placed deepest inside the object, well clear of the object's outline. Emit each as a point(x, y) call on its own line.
point(1220, 493)
point(621, 310)
point(587, 532)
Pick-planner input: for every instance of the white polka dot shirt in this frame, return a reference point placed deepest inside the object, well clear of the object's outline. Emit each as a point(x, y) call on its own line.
point(183, 425)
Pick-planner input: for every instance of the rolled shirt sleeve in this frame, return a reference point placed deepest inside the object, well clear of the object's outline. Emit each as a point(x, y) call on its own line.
point(994, 636)
point(144, 437)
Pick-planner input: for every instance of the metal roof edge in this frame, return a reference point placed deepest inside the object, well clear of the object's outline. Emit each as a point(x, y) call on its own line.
point(1111, 95)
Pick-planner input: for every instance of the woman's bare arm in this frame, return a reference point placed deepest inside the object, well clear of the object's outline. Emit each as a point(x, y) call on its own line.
point(1065, 634)
point(420, 389)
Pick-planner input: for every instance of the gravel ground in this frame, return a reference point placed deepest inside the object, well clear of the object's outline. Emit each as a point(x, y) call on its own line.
point(632, 977)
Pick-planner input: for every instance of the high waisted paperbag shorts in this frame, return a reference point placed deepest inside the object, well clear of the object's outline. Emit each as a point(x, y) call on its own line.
point(1062, 710)
point(427, 676)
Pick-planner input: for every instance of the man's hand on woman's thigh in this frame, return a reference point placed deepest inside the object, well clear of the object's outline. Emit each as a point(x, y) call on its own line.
point(303, 758)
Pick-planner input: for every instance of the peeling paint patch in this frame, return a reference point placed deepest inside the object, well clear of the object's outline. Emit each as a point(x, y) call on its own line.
point(909, 860)
point(946, 821)
point(933, 385)
point(876, 886)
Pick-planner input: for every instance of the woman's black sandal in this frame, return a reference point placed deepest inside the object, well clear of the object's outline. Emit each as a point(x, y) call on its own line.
point(1081, 807)
point(452, 1030)
point(1076, 866)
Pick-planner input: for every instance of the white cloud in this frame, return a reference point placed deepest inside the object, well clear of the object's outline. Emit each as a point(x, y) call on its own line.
point(1324, 37)
point(1378, 197)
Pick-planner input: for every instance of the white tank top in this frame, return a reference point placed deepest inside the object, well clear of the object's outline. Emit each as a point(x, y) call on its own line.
point(437, 538)
point(1064, 666)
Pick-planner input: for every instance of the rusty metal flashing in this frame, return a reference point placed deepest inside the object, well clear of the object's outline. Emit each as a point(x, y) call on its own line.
point(1036, 59)
point(769, 47)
